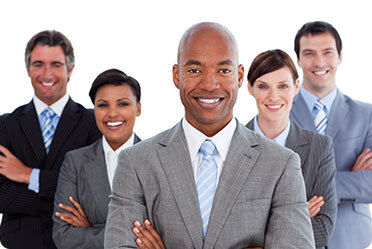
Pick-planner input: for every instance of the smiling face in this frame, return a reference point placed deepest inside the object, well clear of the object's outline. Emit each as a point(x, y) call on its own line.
point(274, 94)
point(115, 110)
point(208, 77)
point(48, 72)
point(319, 59)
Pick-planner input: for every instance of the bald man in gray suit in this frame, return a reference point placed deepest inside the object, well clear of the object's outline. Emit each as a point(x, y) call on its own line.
point(257, 192)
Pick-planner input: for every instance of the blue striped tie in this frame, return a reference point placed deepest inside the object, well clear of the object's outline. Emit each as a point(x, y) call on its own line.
point(320, 119)
point(48, 122)
point(206, 181)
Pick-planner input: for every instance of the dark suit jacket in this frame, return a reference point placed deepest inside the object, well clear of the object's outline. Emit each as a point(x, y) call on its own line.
point(27, 216)
point(318, 169)
point(84, 177)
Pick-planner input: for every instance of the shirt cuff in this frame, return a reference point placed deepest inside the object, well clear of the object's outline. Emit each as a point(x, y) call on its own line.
point(34, 180)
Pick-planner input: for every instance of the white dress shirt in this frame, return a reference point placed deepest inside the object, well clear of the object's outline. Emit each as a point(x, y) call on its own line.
point(40, 106)
point(221, 140)
point(111, 156)
point(280, 139)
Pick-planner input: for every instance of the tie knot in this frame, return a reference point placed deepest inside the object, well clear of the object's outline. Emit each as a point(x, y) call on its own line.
point(319, 105)
point(207, 148)
point(48, 113)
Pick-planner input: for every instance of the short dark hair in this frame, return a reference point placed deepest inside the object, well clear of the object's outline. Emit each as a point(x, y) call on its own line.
point(115, 77)
point(268, 62)
point(51, 38)
point(316, 28)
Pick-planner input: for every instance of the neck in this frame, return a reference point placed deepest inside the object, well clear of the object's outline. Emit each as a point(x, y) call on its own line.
point(272, 129)
point(320, 92)
point(209, 129)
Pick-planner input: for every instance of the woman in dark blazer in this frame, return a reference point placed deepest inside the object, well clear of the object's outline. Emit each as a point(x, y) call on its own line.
point(85, 179)
point(273, 82)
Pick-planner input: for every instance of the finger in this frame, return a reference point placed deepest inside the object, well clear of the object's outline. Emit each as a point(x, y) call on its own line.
point(145, 236)
point(359, 158)
point(77, 205)
point(4, 150)
point(154, 233)
point(68, 218)
point(140, 244)
point(367, 165)
point(362, 158)
point(70, 209)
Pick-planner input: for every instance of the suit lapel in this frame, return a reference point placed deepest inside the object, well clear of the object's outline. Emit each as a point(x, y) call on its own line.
point(298, 143)
point(337, 115)
point(31, 128)
point(69, 119)
point(175, 160)
point(96, 175)
point(300, 113)
point(239, 162)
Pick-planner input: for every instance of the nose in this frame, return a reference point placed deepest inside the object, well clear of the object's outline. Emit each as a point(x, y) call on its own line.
point(319, 61)
point(209, 81)
point(47, 74)
point(273, 95)
point(112, 112)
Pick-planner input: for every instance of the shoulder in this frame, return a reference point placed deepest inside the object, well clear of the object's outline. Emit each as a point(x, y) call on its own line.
point(80, 155)
point(357, 105)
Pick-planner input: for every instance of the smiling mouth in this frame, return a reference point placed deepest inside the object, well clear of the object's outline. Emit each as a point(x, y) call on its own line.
point(114, 124)
point(319, 73)
point(274, 107)
point(47, 83)
point(209, 101)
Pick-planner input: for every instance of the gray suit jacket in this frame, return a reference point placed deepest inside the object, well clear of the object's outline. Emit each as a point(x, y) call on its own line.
point(260, 199)
point(83, 176)
point(350, 126)
point(318, 169)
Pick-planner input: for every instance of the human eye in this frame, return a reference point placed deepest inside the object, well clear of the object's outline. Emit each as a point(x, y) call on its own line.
point(262, 86)
point(283, 86)
point(224, 71)
point(123, 104)
point(101, 105)
point(193, 71)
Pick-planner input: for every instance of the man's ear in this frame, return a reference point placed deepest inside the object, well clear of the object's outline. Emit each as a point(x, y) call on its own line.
point(240, 74)
point(176, 76)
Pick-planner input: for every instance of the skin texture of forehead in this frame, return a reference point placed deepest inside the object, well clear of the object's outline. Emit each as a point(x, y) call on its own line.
point(214, 30)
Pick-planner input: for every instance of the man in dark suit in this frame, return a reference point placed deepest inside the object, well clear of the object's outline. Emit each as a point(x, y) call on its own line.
point(349, 122)
point(34, 140)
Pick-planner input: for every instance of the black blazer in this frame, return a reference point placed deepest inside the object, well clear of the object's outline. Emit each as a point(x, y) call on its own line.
point(27, 216)
point(318, 169)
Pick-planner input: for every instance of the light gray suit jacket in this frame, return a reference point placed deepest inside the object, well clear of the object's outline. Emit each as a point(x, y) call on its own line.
point(319, 169)
point(350, 126)
point(83, 176)
point(260, 199)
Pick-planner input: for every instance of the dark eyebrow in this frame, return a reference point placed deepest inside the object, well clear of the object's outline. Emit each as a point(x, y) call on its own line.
point(36, 62)
point(192, 62)
point(226, 62)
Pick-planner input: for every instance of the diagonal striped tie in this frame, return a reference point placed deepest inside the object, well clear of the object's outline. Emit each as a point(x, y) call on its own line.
point(320, 119)
point(206, 181)
point(48, 122)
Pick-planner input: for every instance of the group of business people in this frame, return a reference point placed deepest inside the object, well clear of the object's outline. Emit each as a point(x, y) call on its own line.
point(208, 182)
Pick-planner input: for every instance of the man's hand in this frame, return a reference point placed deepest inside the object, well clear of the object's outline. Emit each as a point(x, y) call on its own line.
point(12, 168)
point(315, 204)
point(364, 161)
point(147, 237)
point(76, 217)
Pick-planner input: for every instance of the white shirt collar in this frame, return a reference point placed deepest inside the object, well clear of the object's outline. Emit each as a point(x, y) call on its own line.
point(57, 106)
point(195, 138)
point(280, 139)
point(111, 156)
point(107, 147)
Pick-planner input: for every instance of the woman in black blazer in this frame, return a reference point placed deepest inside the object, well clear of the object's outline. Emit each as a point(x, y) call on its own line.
point(85, 180)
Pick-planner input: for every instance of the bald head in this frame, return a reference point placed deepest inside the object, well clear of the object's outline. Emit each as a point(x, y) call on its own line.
point(211, 33)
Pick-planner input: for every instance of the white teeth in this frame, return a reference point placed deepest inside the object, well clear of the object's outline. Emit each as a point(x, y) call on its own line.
point(48, 83)
point(320, 73)
point(114, 123)
point(274, 106)
point(209, 101)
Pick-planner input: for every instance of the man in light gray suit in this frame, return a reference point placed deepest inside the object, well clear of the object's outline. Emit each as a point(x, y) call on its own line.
point(349, 122)
point(255, 190)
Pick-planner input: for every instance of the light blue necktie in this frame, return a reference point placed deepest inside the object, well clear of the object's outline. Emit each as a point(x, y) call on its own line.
point(320, 119)
point(206, 181)
point(48, 123)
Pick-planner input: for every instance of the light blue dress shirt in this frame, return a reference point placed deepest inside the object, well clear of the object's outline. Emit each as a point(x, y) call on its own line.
point(311, 99)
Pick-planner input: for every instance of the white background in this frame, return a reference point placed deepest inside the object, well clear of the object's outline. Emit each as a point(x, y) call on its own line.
point(141, 38)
